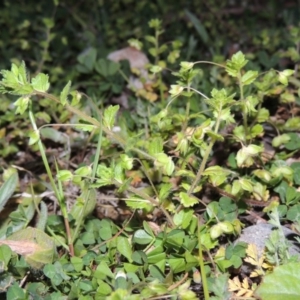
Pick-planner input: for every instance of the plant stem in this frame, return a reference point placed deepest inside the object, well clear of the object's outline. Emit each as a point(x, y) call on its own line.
point(201, 264)
point(59, 196)
point(204, 160)
point(95, 165)
point(245, 119)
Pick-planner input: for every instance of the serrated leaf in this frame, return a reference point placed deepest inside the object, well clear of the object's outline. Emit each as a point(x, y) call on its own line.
point(156, 146)
point(175, 90)
point(64, 93)
point(186, 65)
point(249, 77)
point(22, 105)
point(165, 162)
point(110, 116)
point(187, 200)
point(236, 63)
point(40, 82)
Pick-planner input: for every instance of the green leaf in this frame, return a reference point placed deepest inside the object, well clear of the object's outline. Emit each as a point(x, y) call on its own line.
point(175, 90)
point(150, 39)
point(177, 264)
point(15, 81)
point(106, 67)
point(87, 60)
point(165, 162)
point(293, 143)
point(198, 26)
point(77, 263)
point(54, 135)
point(185, 65)
point(263, 174)
point(293, 213)
point(155, 69)
point(175, 238)
point(156, 255)
point(64, 175)
point(280, 139)
point(22, 104)
point(246, 184)
point(85, 127)
point(286, 279)
point(103, 290)
point(236, 63)
point(142, 237)
point(110, 116)
point(219, 286)
point(244, 155)
point(263, 115)
point(249, 77)
point(216, 231)
point(292, 124)
point(16, 293)
point(156, 146)
point(183, 218)
point(40, 82)
point(64, 93)
point(296, 168)
point(282, 78)
point(34, 137)
point(8, 188)
point(103, 271)
point(124, 247)
point(56, 273)
point(187, 200)
point(217, 175)
point(5, 256)
point(226, 227)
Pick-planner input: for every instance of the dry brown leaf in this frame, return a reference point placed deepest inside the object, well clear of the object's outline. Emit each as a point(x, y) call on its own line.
point(240, 288)
point(22, 247)
point(136, 58)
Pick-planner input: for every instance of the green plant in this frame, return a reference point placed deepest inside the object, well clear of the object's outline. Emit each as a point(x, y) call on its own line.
point(172, 155)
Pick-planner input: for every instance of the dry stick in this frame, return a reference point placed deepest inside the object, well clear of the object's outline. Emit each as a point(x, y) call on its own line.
point(176, 284)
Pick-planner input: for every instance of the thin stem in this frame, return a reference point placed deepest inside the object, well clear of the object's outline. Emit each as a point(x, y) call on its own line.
point(95, 165)
point(201, 264)
point(204, 160)
point(187, 112)
point(59, 196)
point(245, 118)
